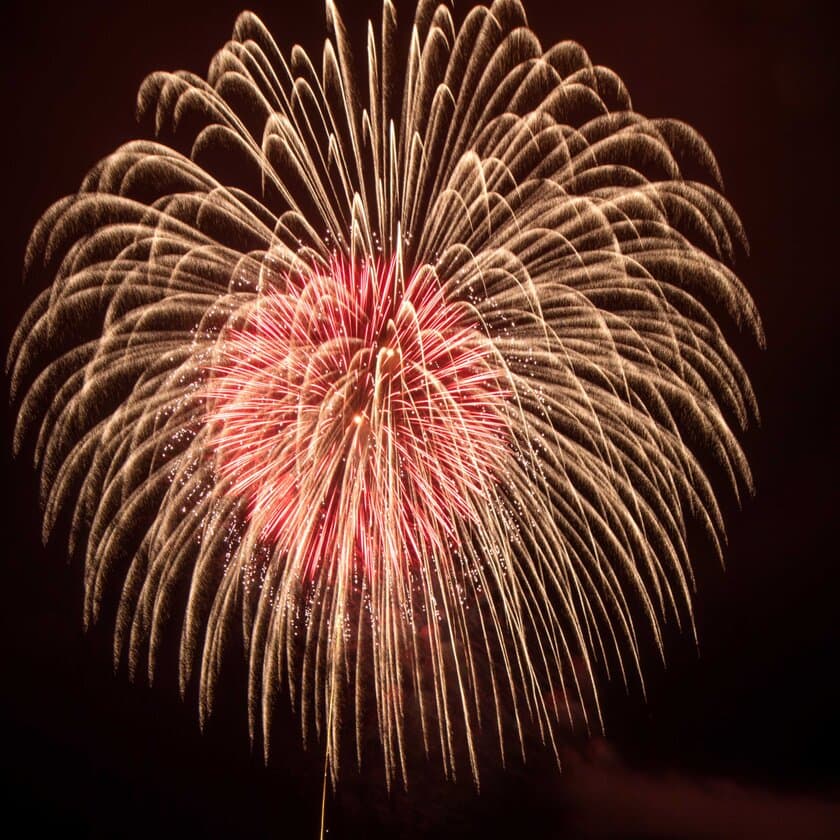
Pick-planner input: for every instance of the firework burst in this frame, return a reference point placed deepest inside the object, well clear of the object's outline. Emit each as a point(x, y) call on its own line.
point(412, 387)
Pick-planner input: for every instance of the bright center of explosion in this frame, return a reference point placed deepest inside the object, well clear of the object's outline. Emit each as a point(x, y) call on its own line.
point(360, 414)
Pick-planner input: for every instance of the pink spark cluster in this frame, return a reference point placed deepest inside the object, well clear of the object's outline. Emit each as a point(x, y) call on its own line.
point(360, 414)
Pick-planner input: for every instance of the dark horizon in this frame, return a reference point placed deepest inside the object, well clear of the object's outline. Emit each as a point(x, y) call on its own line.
point(743, 732)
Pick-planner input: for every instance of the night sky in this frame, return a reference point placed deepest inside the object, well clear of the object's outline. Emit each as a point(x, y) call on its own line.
point(738, 740)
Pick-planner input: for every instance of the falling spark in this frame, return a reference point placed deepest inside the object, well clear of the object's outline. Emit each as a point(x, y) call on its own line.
point(415, 382)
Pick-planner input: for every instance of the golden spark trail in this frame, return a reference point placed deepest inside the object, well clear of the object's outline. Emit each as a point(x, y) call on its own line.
point(410, 385)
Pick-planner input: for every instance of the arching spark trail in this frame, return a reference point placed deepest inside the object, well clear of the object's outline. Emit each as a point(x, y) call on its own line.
point(412, 384)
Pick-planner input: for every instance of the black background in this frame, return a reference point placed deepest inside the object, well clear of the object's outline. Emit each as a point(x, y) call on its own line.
point(745, 729)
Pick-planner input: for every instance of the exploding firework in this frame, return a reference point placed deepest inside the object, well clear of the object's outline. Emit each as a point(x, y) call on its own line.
point(413, 388)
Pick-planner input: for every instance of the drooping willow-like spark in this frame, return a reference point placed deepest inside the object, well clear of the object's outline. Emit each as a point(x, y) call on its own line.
point(411, 383)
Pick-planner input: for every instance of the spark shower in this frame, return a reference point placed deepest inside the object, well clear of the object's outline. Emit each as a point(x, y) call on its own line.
point(409, 382)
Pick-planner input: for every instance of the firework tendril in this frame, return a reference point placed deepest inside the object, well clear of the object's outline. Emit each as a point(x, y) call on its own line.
point(411, 382)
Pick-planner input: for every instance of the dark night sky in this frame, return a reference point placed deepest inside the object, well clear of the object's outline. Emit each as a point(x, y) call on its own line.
point(743, 736)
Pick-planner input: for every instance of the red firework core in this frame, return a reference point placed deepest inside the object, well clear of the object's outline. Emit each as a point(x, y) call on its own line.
point(360, 415)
